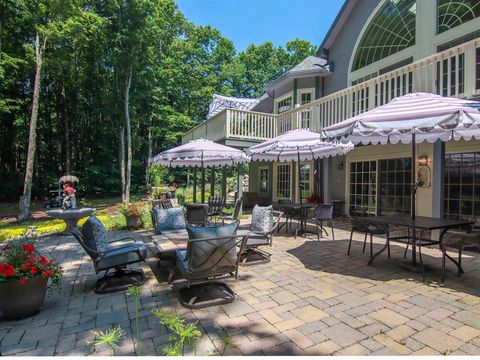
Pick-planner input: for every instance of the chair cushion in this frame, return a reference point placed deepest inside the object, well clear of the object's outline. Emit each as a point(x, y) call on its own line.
point(94, 234)
point(168, 219)
point(211, 255)
point(182, 262)
point(122, 255)
point(262, 218)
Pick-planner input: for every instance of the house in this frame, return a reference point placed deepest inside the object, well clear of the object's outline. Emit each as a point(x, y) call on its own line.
point(374, 51)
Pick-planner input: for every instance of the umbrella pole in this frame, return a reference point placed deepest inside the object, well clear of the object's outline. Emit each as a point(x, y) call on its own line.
point(203, 184)
point(194, 184)
point(299, 180)
point(414, 190)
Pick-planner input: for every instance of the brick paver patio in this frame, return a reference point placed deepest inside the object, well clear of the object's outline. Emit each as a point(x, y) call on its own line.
point(311, 299)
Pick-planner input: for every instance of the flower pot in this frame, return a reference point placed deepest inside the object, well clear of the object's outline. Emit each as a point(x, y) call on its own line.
point(19, 301)
point(133, 222)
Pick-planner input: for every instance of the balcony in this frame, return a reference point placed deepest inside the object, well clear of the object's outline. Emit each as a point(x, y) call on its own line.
point(449, 73)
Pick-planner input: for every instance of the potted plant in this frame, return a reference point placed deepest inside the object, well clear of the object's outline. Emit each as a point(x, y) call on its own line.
point(313, 198)
point(24, 277)
point(133, 214)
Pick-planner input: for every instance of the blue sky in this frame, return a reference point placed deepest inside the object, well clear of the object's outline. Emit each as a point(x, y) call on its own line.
point(255, 21)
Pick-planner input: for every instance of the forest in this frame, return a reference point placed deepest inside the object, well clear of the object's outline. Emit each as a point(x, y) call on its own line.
point(94, 87)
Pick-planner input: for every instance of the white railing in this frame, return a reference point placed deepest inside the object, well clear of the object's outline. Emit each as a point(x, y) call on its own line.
point(449, 73)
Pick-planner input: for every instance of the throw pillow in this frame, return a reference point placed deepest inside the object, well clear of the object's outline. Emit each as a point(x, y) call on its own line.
point(94, 234)
point(262, 218)
point(169, 219)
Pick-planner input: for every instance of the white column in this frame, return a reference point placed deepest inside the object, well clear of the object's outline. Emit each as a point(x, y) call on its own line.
point(438, 170)
point(326, 164)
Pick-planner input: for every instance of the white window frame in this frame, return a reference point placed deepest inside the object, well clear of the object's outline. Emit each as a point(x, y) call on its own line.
point(275, 177)
point(310, 91)
point(282, 98)
point(310, 181)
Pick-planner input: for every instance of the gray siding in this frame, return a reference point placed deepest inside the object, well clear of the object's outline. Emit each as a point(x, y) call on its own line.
point(341, 50)
point(266, 106)
point(305, 83)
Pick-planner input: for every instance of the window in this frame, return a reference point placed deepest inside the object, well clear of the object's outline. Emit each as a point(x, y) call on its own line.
point(462, 186)
point(363, 187)
point(394, 184)
point(452, 13)
point(305, 174)
point(391, 30)
point(283, 181)
point(284, 105)
point(264, 180)
point(450, 75)
point(305, 97)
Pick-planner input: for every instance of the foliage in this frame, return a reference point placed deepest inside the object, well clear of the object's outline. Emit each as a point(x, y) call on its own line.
point(20, 260)
point(226, 341)
point(110, 337)
point(136, 209)
point(184, 333)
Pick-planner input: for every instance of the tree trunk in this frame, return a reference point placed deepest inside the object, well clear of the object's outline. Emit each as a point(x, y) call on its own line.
point(66, 128)
point(32, 137)
point(121, 160)
point(129, 136)
point(147, 177)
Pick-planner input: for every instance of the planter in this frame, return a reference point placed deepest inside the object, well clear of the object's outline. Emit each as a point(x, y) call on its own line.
point(133, 222)
point(19, 301)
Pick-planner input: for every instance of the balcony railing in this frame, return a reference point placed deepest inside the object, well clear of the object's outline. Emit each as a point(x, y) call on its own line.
point(449, 73)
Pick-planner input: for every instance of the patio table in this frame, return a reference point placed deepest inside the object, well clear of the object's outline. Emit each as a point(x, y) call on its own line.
point(299, 208)
point(422, 224)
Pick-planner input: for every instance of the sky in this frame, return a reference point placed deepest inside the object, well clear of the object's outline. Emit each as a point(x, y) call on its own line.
point(256, 21)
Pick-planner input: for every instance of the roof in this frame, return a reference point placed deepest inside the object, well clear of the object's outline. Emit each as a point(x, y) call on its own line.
point(221, 102)
point(309, 66)
point(342, 16)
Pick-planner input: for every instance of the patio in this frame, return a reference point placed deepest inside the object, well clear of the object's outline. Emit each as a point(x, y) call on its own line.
point(311, 299)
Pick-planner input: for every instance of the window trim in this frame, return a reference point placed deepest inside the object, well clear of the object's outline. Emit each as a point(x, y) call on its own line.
point(276, 165)
point(260, 168)
point(282, 98)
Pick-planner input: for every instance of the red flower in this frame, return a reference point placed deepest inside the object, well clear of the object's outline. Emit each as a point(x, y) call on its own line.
point(7, 270)
point(24, 268)
point(48, 273)
point(6, 248)
point(33, 271)
point(28, 247)
point(23, 281)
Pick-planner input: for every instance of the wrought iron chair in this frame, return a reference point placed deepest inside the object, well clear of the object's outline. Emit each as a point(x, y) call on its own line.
point(197, 214)
point(362, 225)
point(236, 212)
point(458, 240)
point(256, 239)
point(211, 255)
point(93, 239)
point(166, 203)
point(321, 213)
point(215, 206)
point(288, 213)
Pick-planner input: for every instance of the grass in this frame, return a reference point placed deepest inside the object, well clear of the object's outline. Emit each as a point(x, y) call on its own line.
point(109, 216)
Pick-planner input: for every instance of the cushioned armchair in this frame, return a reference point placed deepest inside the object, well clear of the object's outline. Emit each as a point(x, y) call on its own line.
point(211, 255)
point(265, 222)
point(106, 256)
point(168, 221)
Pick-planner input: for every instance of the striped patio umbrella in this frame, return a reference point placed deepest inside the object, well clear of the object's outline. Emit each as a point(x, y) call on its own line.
point(297, 145)
point(411, 118)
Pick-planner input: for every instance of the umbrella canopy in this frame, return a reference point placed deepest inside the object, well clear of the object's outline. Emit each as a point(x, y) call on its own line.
point(200, 153)
point(297, 145)
point(430, 117)
point(68, 178)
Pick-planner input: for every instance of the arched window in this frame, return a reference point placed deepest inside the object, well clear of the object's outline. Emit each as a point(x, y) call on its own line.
point(452, 13)
point(392, 29)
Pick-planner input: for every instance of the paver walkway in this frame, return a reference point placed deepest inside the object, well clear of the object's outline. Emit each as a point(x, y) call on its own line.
point(311, 299)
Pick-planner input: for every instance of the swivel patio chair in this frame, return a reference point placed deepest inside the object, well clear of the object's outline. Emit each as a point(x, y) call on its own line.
point(458, 240)
point(362, 225)
point(211, 255)
point(166, 203)
point(323, 213)
point(197, 214)
point(236, 212)
point(105, 256)
point(265, 222)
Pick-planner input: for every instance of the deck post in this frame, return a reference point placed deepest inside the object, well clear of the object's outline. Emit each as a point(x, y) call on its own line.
point(224, 182)
point(326, 164)
point(203, 185)
point(194, 184)
point(240, 184)
point(438, 171)
point(212, 181)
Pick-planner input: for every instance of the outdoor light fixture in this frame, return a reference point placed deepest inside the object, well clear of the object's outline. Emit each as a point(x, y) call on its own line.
point(422, 160)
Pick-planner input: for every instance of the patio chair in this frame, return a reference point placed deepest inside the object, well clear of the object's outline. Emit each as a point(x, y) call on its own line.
point(321, 213)
point(166, 203)
point(265, 222)
point(211, 255)
point(105, 256)
point(236, 212)
point(362, 225)
point(215, 205)
point(458, 240)
point(197, 214)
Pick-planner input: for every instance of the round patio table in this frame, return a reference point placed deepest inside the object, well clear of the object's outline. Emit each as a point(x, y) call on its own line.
point(71, 217)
